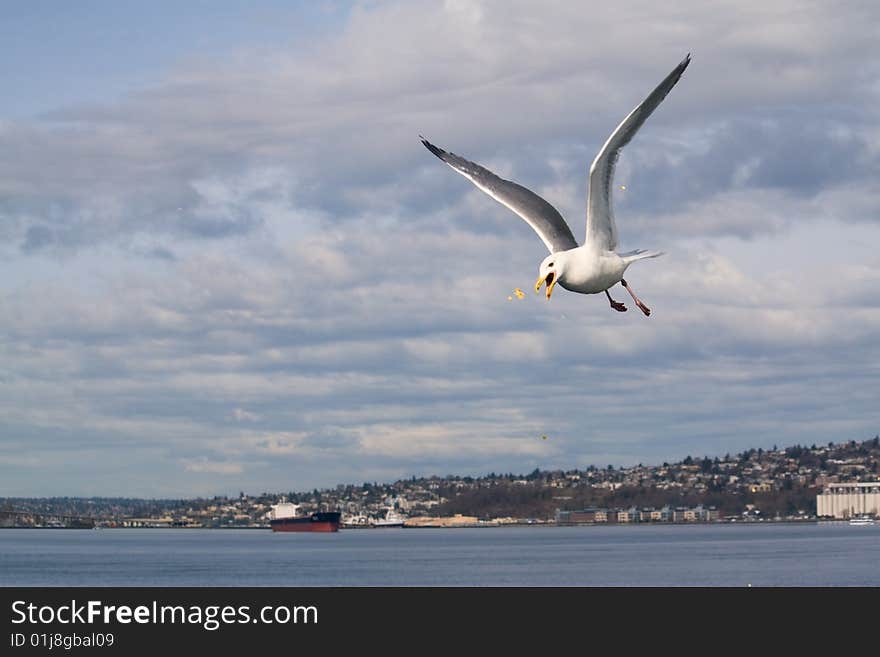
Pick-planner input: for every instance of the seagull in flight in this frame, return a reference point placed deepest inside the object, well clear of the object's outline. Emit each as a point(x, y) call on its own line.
point(595, 266)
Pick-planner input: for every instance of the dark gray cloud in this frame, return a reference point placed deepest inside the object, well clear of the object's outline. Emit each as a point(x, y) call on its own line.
point(343, 117)
point(37, 237)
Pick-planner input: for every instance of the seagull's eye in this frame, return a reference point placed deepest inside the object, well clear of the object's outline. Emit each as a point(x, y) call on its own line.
point(550, 265)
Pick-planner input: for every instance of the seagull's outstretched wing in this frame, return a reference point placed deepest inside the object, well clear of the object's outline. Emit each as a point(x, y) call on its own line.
point(601, 230)
point(537, 212)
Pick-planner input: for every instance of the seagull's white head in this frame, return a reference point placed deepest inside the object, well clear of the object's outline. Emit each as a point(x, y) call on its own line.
point(550, 271)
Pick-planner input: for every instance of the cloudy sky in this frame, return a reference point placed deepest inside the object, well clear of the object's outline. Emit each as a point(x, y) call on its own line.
point(227, 263)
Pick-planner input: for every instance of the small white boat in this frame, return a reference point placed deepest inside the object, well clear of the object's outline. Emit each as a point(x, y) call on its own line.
point(355, 522)
point(862, 519)
point(392, 519)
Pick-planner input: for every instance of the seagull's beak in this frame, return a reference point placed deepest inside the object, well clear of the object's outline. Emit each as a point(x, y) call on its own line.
point(550, 279)
point(539, 283)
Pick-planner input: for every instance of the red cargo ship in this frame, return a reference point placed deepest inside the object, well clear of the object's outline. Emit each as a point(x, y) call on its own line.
point(285, 517)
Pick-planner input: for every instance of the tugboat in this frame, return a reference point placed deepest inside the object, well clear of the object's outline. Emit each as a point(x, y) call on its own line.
point(355, 522)
point(285, 517)
point(392, 519)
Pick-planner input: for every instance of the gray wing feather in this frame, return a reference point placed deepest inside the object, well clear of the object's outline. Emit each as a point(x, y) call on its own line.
point(537, 212)
point(601, 229)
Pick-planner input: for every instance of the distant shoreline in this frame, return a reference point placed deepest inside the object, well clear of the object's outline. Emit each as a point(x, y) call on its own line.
point(736, 522)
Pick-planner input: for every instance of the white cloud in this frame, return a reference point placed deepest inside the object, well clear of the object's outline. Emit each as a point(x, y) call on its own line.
point(241, 415)
point(205, 466)
point(255, 270)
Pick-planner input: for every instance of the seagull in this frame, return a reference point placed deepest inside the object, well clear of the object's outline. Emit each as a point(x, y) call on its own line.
point(595, 266)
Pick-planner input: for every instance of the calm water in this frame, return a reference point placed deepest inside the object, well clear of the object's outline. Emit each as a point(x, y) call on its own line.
point(828, 554)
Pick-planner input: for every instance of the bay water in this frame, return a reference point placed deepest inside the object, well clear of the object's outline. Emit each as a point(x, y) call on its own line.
point(758, 554)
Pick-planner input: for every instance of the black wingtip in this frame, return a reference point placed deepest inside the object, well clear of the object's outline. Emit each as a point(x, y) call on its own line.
point(439, 152)
point(677, 72)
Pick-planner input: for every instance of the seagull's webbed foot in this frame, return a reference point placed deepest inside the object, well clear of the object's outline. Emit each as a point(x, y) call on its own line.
point(617, 305)
point(644, 308)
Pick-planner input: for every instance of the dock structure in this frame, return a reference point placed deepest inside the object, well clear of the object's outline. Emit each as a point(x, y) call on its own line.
point(10, 517)
point(844, 501)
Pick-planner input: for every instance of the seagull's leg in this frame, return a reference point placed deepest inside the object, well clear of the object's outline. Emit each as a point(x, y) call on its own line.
point(617, 305)
point(638, 301)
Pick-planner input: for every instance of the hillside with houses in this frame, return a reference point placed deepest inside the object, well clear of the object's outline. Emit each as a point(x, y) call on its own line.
point(778, 483)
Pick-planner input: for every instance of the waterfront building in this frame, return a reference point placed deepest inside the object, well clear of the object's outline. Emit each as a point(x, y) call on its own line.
point(593, 515)
point(848, 500)
point(706, 514)
point(589, 515)
point(679, 514)
point(662, 515)
point(628, 515)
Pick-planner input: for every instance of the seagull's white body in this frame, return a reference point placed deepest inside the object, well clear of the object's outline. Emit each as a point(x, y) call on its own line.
point(587, 271)
point(595, 266)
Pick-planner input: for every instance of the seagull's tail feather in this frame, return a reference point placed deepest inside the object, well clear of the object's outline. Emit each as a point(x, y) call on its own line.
point(639, 254)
